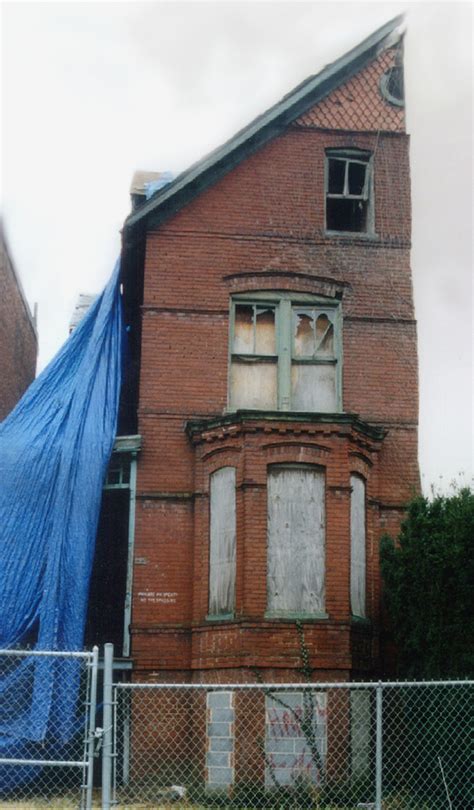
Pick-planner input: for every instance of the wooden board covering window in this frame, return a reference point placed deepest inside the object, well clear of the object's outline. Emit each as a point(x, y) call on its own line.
point(296, 541)
point(357, 546)
point(222, 542)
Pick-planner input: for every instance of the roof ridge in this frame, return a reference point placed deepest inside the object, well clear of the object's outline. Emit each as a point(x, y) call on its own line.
point(266, 125)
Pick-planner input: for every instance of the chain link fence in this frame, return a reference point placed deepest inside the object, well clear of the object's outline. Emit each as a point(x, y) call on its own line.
point(47, 722)
point(386, 746)
point(379, 746)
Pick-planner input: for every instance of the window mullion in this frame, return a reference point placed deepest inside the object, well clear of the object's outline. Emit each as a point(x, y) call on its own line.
point(284, 355)
point(346, 179)
point(254, 329)
point(364, 194)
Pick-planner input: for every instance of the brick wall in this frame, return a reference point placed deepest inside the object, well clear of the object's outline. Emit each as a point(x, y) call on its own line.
point(261, 227)
point(18, 338)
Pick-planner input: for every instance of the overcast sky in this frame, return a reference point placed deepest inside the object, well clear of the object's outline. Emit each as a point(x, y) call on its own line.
point(92, 91)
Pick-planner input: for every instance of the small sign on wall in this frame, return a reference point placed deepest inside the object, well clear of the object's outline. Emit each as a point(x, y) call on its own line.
point(158, 597)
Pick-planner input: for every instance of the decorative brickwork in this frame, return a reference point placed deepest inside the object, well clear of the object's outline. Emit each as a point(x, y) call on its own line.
point(358, 104)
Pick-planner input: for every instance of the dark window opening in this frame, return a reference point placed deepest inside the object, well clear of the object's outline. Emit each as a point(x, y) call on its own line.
point(346, 215)
point(357, 173)
point(348, 191)
point(118, 473)
point(337, 172)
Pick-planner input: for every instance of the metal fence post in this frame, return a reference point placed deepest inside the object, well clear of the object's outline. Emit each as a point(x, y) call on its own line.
point(378, 745)
point(107, 722)
point(94, 664)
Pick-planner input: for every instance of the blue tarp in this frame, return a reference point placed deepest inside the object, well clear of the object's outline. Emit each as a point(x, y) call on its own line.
point(54, 450)
point(156, 185)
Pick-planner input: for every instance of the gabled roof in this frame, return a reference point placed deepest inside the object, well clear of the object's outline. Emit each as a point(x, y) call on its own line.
point(209, 169)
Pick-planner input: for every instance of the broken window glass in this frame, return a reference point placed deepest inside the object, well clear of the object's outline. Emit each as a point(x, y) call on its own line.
point(254, 330)
point(324, 335)
point(243, 329)
point(284, 357)
point(265, 331)
point(313, 334)
point(304, 344)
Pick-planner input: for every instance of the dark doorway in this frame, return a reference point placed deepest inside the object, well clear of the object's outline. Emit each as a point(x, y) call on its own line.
point(105, 617)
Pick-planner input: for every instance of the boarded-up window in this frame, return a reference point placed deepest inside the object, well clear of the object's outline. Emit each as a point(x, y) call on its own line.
point(296, 740)
point(360, 733)
point(357, 546)
point(222, 542)
point(254, 385)
point(296, 541)
point(313, 388)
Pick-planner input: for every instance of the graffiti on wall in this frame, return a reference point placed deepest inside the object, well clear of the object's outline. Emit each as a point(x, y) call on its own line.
point(295, 737)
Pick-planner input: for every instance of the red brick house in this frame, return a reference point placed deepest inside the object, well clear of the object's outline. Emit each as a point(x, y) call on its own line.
point(18, 336)
point(269, 421)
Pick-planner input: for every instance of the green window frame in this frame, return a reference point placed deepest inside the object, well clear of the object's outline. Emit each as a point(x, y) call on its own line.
point(285, 353)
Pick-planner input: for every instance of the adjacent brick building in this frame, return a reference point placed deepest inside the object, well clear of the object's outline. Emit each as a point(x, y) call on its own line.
point(18, 337)
point(273, 386)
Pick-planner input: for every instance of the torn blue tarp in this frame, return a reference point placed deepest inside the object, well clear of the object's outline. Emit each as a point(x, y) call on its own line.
point(54, 451)
point(152, 186)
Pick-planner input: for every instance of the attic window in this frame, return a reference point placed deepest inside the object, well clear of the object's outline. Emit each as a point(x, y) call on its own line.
point(348, 191)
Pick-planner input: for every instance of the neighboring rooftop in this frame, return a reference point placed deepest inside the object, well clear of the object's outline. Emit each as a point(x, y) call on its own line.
point(7, 259)
point(84, 301)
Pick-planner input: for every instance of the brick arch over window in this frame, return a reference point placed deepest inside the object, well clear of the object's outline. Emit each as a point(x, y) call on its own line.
point(289, 280)
point(294, 452)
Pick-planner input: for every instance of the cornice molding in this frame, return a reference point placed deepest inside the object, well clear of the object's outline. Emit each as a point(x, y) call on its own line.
point(281, 422)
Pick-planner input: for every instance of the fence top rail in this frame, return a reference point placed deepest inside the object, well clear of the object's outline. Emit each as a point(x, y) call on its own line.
point(45, 654)
point(293, 686)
